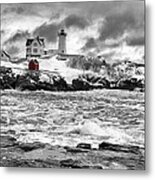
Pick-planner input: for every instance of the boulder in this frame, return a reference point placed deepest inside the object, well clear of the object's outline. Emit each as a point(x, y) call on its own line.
point(75, 149)
point(1, 83)
point(104, 82)
point(129, 84)
point(70, 163)
point(31, 146)
point(90, 77)
point(5, 70)
point(24, 82)
point(88, 82)
point(59, 83)
point(7, 86)
point(7, 81)
point(97, 86)
point(84, 146)
point(70, 87)
point(45, 86)
point(8, 141)
point(119, 148)
point(27, 86)
point(80, 84)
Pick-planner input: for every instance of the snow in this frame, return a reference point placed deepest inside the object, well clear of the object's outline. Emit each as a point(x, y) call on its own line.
point(48, 65)
point(57, 66)
point(51, 65)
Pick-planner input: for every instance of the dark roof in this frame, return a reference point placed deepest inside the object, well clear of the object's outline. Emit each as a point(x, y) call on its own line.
point(6, 54)
point(36, 61)
point(33, 61)
point(62, 32)
point(39, 39)
point(29, 41)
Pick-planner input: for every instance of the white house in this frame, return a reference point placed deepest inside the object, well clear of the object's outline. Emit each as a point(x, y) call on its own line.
point(35, 47)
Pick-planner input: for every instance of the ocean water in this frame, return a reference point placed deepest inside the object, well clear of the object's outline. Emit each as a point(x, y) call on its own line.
point(69, 118)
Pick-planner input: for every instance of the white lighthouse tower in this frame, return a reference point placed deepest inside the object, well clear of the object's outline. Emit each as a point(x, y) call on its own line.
point(62, 41)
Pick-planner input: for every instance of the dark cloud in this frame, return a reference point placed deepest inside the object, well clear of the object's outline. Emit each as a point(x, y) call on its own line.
point(94, 43)
point(18, 10)
point(13, 50)
point(118, 17)
point(49, 31)
point(115, 25)
point(90, 8)
point(18, 36)
point(113, 45)
point(136, 41)
point(90, 43)
point(76, 21)
point(55, 16)
point(21, 9)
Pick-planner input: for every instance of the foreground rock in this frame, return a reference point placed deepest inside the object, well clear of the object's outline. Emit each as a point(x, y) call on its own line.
point(31, 146)
point(84, 146)
point(7, 141)
point(31, 81)
point(54, 82)
point(90, 81)
point(119, 148)
point(108, 156)
point(130, 84)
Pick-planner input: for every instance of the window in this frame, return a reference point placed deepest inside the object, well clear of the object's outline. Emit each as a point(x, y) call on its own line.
point(35, 44)
point(28, 50)
point(35, 50)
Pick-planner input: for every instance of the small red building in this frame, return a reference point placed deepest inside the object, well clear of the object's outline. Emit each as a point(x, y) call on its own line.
point(33, 65)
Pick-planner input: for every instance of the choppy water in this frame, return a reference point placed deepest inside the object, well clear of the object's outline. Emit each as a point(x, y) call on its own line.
point(67, 118)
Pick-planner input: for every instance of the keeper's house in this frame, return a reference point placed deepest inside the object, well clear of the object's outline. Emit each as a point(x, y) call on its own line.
point(35, 47)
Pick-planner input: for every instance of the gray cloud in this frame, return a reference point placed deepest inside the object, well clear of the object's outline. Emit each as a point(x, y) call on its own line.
point(136, 41)
point(18, 36)
point(116, 24)
point(90, 43)
point(118, 17)
point(76, 21)
point(55, 16)
point(49, 31)
point(82, 8)
point(13, 9)
point(94, 43)
point(113, 45)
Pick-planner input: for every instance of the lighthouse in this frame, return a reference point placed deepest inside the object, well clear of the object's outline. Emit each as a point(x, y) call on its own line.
point(62, 41)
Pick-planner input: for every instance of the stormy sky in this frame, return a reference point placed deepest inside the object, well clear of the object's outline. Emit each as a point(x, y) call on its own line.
point(114, 29)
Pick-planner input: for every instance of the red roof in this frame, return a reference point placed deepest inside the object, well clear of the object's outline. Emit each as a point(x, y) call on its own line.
point(33, 65)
